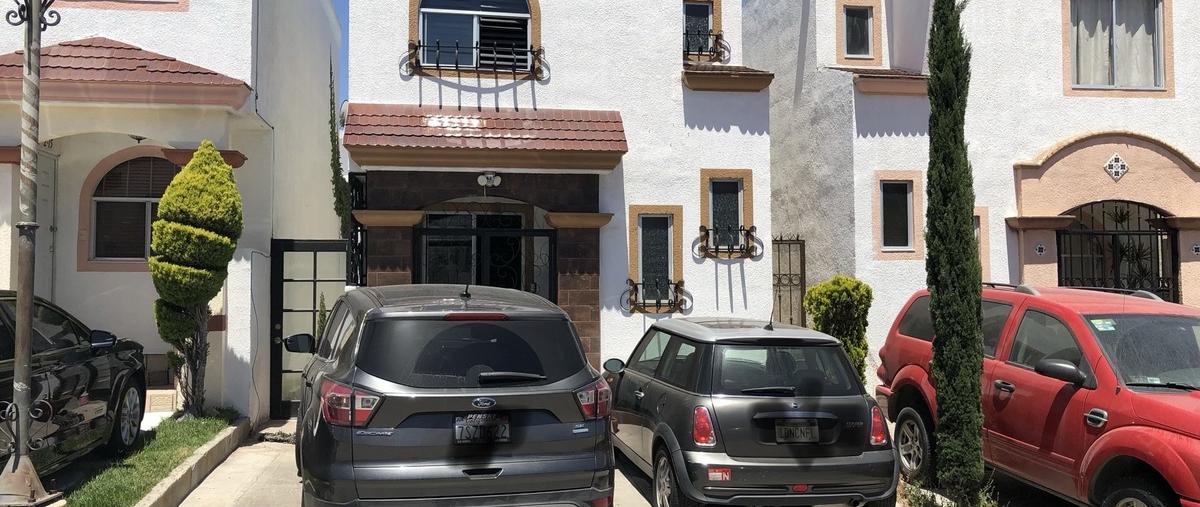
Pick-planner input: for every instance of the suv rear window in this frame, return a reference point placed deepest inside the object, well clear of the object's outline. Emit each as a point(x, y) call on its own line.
point(809, 370)
point(452, 354)
point(917, 322)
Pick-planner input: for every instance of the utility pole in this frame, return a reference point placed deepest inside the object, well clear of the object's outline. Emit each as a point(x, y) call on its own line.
point(19, 482)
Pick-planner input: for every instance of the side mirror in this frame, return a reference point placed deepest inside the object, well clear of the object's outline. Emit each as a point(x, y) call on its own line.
point(1061, 370)
point(102, 339)
point(614, 365)
point(303, 343)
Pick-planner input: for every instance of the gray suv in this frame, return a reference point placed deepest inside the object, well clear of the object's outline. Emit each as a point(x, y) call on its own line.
point(743, 412)
point(436, 394)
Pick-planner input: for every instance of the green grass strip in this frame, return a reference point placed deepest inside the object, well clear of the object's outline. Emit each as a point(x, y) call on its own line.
point(124, 482)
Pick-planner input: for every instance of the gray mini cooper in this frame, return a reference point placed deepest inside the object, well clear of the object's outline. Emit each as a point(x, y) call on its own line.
point(743, 412)
point(432, 395)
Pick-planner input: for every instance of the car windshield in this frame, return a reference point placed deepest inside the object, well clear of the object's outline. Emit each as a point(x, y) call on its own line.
point(783, 370)
point(456, 354)
point(1151, 349)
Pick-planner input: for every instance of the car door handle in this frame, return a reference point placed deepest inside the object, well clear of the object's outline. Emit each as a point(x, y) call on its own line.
point(483, 473)
point(1005, 386)
point(639, 394)
point(1096, 418)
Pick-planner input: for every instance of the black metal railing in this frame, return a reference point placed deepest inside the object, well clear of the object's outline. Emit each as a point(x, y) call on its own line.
point(657, 296)
point(356, 247)
point(489, 57)
point(704, 46)
point(791, 280)
point(737, 241)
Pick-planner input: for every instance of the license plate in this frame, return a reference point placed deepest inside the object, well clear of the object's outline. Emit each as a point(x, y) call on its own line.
point(485, 428)
point(796, 431)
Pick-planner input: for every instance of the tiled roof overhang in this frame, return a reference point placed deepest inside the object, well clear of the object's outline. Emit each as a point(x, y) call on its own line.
point(105, 70)
point(427, 136)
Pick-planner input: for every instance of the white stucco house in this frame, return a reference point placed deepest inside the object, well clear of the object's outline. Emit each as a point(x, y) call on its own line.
point(129, 89)
point(1078, 126)
point(571, 149)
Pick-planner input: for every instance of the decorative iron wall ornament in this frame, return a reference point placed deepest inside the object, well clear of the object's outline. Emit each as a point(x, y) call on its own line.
point(705, 46)
point(1116, 167)
point(660, 296)
point(729, 242)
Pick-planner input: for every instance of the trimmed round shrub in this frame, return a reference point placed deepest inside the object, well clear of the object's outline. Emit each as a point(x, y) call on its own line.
point(202, 248)
point(838, 307)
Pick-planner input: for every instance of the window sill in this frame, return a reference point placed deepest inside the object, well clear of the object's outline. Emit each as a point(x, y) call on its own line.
point(708, 77)
point(113, 265)
point(1133, 93)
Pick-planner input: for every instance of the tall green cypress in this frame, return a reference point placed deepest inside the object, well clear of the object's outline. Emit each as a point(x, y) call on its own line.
point(952, 265)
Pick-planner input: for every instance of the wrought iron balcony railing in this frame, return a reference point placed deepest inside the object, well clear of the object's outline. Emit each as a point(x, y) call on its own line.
point(704, 46)
point(729, 241)
point(493, 57)
point(356, 247)
point(658, 296)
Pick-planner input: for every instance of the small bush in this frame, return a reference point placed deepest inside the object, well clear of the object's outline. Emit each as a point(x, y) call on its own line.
point(838, 307)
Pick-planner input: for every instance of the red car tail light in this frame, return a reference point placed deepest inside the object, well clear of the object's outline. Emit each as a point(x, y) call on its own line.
point(602, 502)
point(703, 432)
point(878, 428)
point(799, 488)
point(595, 399)
point(343, 406)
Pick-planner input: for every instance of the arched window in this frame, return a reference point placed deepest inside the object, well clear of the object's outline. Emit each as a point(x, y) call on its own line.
point(476, 34)
point(124, 205)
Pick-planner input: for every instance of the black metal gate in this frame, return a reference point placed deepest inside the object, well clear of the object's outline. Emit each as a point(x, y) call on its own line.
point(302, 273)
point(1120, 245)
point(790, 281)
point(513, 258)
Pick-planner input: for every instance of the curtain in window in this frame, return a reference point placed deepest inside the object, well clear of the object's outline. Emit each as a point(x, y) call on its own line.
point(1134, 43)
point(1092, 26)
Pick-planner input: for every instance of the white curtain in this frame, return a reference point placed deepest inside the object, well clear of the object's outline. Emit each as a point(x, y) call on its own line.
point(1134, 41)
point(1092, 20)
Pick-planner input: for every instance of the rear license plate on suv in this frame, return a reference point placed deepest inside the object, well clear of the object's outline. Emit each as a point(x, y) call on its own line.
point(483, 428)
point(796, 431)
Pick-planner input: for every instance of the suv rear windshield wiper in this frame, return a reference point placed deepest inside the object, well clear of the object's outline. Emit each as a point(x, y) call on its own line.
point(1168, 385)
point(770, 390)
point(509, 376)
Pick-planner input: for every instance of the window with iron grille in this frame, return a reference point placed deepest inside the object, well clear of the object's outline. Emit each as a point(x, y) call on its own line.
point(697, 27)
point(726, 212)
point(124, 205)
point(654, 233)
point(475, 34)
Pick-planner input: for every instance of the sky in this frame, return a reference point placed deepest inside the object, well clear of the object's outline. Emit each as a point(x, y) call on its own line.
point(342, 8)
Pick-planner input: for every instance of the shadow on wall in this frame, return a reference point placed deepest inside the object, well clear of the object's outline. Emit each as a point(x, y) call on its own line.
point(749, 113)
point(889, 115)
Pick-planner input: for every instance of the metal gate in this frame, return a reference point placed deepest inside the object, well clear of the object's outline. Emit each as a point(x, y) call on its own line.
point(302, 272)
point(495, 252)
point(1120, 245)
point(790, 281)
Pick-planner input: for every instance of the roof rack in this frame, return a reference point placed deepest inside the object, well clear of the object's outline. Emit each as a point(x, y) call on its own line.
point(1137, 293)
point(1023, 289)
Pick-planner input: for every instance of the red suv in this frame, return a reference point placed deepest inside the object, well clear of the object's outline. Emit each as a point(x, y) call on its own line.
point(1089, 394)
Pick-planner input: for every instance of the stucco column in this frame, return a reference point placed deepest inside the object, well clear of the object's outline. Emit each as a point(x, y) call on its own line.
point(1039, 254)
point(1189, 267)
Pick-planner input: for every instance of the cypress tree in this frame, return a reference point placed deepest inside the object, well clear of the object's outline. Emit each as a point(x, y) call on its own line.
point(341, 188)
point(952, 264)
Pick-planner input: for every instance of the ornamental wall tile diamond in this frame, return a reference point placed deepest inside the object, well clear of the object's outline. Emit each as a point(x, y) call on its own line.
point(1116, 167)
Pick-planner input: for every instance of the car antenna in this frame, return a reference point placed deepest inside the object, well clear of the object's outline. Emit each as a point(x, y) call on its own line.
point(466, 293)
point(770, 326)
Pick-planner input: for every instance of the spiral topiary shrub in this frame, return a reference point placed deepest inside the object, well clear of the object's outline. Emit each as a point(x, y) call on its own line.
point(193, 239)
point(838, 307)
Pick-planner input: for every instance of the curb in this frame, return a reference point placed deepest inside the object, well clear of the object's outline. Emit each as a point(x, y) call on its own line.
point(175, 487)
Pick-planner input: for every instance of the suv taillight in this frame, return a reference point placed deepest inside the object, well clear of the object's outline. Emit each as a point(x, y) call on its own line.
point(703, 432)
point(595, 399)
point(878, 428)
point(343, 406)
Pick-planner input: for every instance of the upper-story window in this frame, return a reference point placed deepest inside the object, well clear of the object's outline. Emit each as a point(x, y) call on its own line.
point(1117, 43)
point(858, 31)
point(125, 203)
point(697, 27)
point(476, 34)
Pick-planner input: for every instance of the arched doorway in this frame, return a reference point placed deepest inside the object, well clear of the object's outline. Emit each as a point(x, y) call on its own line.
point(1120, 245)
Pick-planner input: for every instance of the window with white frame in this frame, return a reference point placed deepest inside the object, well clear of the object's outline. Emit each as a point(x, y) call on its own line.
point(1117, 43)
point(124, 205)
point(858, 31)
point(655, 256)
point(697, 27)
point(725, 210)
point(896, 210)
point(475, 34)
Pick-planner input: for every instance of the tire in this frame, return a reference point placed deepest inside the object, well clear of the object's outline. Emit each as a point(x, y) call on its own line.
point(886, 502)
point(1139, 492)
point(666, 490)
point(913, 443)
point(127, 421)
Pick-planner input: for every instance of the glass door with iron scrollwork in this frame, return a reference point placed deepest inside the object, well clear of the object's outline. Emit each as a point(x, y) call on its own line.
point(492, 249)
point(1119, 245)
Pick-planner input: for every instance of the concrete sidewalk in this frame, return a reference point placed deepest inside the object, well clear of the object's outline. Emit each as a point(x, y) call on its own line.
point(257, 473)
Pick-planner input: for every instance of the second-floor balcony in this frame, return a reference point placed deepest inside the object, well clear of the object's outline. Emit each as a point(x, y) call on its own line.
point(484, 57)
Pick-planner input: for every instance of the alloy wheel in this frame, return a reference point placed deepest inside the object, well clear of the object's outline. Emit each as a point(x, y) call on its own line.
point(912, 453)
point(1131, 502)
point(662, 484)
point(130, 416)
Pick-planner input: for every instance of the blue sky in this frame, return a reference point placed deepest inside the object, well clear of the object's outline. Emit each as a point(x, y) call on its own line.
point(342, 8)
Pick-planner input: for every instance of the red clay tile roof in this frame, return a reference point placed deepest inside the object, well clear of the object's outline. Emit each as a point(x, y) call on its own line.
point(101, 59)
point(410, 126)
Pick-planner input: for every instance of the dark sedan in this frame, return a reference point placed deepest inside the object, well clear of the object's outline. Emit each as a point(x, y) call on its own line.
point(88, 386)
